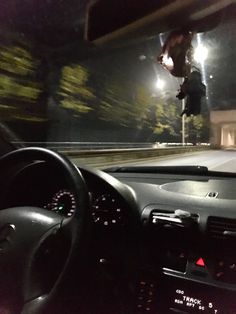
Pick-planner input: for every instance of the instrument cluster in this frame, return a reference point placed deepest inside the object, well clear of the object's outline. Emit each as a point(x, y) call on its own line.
point(107, 208)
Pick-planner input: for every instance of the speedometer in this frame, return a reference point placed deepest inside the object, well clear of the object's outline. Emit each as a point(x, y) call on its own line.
point(63, 203)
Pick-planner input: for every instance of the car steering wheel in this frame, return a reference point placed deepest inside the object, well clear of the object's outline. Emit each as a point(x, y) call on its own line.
point(27, 234)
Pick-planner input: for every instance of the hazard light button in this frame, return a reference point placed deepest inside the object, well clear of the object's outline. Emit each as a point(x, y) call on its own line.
point(200, 262)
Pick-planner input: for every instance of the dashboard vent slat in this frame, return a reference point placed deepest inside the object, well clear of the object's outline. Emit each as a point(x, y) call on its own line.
point(179, 218)
point(212, 194)
point(221, 228)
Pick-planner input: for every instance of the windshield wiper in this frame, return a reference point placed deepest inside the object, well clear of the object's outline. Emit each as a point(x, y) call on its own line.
point(184, 170)
point(195, 170)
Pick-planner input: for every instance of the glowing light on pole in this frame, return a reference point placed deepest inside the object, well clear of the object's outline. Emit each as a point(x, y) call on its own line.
point(200, 54)
point(160, 84)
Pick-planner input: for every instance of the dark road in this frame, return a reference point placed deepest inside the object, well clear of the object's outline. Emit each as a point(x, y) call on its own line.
point(216, 160)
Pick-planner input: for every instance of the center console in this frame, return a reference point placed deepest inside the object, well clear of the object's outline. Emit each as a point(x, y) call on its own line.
point(186, 296)
point(188, 270)
point(189, 285)
point(172, 294)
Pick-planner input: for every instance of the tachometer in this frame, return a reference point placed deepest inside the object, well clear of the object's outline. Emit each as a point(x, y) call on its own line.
point(63, 203)
point(107, 211)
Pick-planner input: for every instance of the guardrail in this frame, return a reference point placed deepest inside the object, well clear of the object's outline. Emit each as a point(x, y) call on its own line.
point(105, 158)
point(110, 153)
point(77, 146)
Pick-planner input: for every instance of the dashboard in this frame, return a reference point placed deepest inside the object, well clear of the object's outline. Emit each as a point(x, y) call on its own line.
point(190, 224)
point(161, 242)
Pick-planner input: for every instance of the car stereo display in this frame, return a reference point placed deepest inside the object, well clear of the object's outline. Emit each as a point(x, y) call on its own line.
point(185, 296)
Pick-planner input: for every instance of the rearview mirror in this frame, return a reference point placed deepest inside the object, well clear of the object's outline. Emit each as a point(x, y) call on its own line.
point(108, 20)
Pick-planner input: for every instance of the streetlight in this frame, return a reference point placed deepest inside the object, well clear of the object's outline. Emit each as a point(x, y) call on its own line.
point(200, 54)
point(160, 84)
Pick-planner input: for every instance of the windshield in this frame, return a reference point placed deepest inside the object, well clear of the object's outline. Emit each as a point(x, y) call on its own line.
point(58, 93)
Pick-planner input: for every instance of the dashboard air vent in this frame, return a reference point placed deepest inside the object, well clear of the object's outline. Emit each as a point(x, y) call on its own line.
point(212, 194)
point(222, 228)
point(179, 218)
